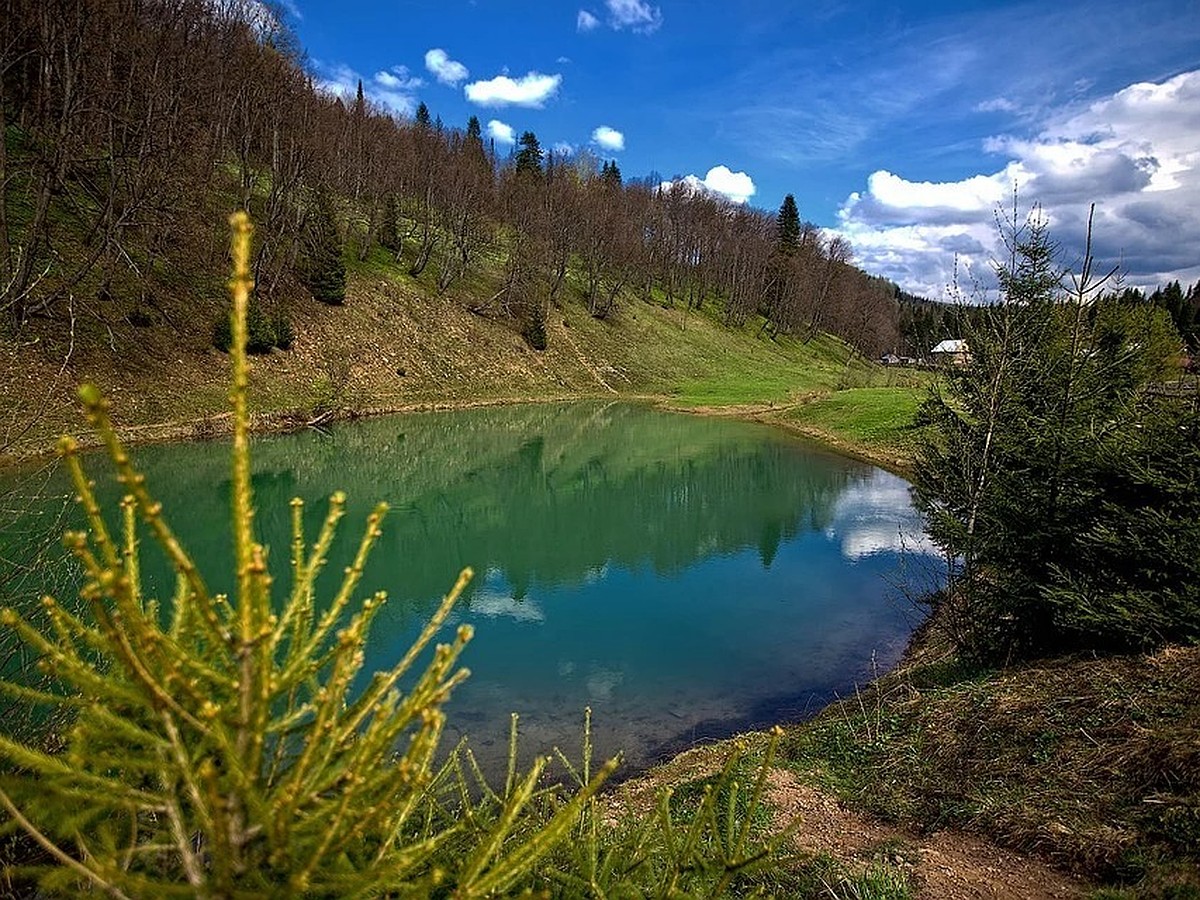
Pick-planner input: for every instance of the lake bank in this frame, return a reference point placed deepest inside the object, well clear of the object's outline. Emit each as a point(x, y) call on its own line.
point(888, 447)
point(1061, 778)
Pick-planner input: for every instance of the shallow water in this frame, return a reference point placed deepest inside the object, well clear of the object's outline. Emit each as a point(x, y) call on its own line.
point(686, 578)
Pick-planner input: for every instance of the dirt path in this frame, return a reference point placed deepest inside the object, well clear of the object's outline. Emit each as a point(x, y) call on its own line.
point(948, 865)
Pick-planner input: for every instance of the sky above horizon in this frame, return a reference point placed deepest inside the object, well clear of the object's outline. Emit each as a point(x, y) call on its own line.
point(903, 126)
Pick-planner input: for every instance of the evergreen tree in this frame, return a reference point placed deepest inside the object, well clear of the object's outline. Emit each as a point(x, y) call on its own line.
point(474, 131)
point(1028, 470)
point(423, 118)
point(529, 156)
point(322, 267)
point(360, 103)
point(610, 174)
point(389, 226)
point(535, 327)
point(787, 226)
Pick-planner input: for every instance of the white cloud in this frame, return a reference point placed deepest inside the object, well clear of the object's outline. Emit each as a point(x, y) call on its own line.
point(501, 133)
point(562, 148)
point(533, 90)
point(397, 79)
point(392, 89)
point(996, 104)
point(633, 14)
point(609, 139)
point(585, 21)
point(735, 186)
point(494, 604)
point(445, 69)
point(1133, 153)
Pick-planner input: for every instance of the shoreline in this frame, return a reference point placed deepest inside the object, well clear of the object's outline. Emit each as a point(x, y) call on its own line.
point(285, 421)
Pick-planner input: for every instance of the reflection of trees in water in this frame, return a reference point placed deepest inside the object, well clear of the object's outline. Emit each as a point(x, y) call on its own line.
point(546, 494)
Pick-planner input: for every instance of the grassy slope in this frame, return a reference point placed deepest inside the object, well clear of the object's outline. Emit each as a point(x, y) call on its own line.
point(167, 381)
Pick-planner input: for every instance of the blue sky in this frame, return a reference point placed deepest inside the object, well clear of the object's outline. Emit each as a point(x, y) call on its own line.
point(899, 125)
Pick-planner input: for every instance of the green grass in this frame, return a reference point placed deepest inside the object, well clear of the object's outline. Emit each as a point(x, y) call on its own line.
point(876, 420)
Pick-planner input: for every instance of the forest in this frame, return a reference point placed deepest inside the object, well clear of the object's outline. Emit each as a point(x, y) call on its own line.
point(131, 125)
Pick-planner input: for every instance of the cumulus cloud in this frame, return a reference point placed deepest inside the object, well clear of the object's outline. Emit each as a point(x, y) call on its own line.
point(737, 187)
point(634, 14)
point(585, 21)
point(501, 133)
point(533, 90)
point(609, 139)
point(445, 69)
point(1133, 154)
point(392, 89)
point(562, 148)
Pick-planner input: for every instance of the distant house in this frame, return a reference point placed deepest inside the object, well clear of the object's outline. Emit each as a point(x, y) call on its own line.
point(891, 359)
point(951, 352)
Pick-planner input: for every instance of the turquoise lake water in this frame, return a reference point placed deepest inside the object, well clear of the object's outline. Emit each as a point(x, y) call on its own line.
point(687, 578)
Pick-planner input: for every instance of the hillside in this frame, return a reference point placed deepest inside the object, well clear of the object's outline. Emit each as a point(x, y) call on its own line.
point(396, 344)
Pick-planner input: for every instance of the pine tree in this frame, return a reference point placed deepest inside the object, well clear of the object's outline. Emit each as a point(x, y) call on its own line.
point(389, 226)
point(787, 226)
point(610, 174)
point(474, 131)
point(529, 157)
point(322, 267)
point(423, 119)
point(535, 327)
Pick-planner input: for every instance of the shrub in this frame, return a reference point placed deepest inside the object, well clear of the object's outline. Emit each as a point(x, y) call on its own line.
point(285, 334)
point(535, 328)
point(262, 332)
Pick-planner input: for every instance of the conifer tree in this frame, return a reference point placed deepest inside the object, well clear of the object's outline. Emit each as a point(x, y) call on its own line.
point(787, 226)
point(1028, 468)
point(323, 268)
point(474, 131)
point(423, 119)
point(529, 157)
point(389, 226)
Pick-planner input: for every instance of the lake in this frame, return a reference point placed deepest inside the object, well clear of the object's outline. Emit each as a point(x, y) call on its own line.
point(687, 578)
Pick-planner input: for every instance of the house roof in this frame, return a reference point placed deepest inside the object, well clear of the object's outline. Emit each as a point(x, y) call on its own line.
point(950, 346)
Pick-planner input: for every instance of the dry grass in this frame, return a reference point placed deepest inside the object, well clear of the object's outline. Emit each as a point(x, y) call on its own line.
point(1091, 764)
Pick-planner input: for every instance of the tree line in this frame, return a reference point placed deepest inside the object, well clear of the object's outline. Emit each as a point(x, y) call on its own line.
point(130, 123)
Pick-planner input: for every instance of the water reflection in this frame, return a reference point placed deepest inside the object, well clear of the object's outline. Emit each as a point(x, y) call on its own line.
point(874, 515)
point(685, 577)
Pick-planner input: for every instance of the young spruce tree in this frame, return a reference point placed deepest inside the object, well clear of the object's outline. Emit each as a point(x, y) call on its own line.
point(1046, 458)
